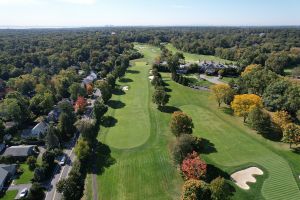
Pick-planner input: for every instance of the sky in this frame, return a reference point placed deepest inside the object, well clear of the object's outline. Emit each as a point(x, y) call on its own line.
point(85, 13)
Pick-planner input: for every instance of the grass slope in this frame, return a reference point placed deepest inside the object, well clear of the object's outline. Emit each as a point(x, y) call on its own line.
point(146, 171)
point(143, 168)
point(9, 195)
point(189, 57)
point(233, 145)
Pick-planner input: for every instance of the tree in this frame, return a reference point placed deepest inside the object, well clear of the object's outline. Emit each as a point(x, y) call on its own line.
point(218, 189)
point(277, 62)
point(185, 144)
point(160, 98)
point(31, 162)
point(193, 167)
point(80, 104)
point(24, 84)
point(39, 174)
point(194, 190)
point(87, 129)
point(291, 134)
point(51, 138)
point(89, 89)
point(249, 69)
point(243, 104)
point(36, 192)
point(72, 187)
point(111, 80)
point(82, 149)
point(99, 110)
point(281, 118)
point(259, 120)
point(220, 92)
point(76, 90)
point(66, 121)
point(105, 89)
point(181, 124)
point(42, 103)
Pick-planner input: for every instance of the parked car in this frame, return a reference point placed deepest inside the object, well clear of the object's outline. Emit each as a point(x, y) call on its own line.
point(62, 161)
point(24, 193)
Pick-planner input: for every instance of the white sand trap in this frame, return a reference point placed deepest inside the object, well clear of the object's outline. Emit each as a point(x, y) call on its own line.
point(242, 177)
point(125, 88)
point(151, 78)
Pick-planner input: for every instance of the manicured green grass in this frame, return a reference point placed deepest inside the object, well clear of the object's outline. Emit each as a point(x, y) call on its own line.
point(9, 195)
point(236, 145)
point(189, 57)
point(26, 176)
point(146, 171)
point(194, 80)
point(88, 191)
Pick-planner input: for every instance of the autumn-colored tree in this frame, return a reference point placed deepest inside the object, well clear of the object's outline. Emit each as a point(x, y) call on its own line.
point(249, 69)
point(219, 189)
point(243, 104)
point(89, 89)
point(291, 134)
point(80, 104)
point(181, 124)
point(220, 92)
point(281, 118)
point(193, 167)
point(193, 190)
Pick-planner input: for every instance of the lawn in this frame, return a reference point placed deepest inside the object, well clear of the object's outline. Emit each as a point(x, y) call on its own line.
point(143, 168)
point(139, 142)
point(25, 177)
point(194, 80)
point(9, 195)
point(189, 57)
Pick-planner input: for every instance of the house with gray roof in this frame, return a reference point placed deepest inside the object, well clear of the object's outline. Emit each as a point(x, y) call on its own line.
point(20, 152)
point(6, 174)
point(37, 131)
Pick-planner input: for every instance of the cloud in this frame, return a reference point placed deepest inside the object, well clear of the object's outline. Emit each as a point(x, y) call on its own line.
point(82, 2)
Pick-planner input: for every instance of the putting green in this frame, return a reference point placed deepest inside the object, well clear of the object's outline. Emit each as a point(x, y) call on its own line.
point(132, 127)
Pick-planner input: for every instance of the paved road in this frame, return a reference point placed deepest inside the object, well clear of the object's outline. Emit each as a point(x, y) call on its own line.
point(61, 172)
point(214, 80)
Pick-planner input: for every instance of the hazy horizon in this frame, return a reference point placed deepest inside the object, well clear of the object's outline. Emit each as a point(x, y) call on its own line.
point(99, 13)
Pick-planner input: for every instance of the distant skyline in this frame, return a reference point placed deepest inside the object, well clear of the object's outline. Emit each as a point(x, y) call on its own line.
point(87, 13)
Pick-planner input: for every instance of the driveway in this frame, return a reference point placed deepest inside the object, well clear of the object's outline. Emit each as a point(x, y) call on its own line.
point(214, 80)
point(19, 188)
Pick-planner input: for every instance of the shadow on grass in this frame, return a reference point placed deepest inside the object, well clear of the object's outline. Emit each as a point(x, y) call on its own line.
point(168, 89)
point(130, 71)
point(296, 150)
point(168, 109)
point(125, 80)
point(227, 111)
point(109, 121)
point(115, 104)
point(214, 172)
point(118, 92)
point(208, 147)
point(103, 158)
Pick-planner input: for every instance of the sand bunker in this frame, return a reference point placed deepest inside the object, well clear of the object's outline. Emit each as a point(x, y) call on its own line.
point(151, 78)
point(125, 88)
point(247, 175)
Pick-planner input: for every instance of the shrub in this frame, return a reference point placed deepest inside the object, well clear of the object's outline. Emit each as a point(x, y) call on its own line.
point(218, 189)
point(181, 123)
point(194, 190)
point(259, 120)
point(193, 167)
point(31, 162)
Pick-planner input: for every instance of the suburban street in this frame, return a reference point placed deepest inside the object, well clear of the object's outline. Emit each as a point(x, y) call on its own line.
point(61, 172)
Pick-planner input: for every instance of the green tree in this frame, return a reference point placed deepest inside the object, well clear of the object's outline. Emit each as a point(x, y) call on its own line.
point(105, 89)
point(36, 192)
point(51, 138)
point(76, 90)
point(31, 162)
point(99, 110)
point(160, 98)
point(82, 149)
point(277, 62)
point(181, 124)
point(87, 129)
point(260, 120)
point(218, 189)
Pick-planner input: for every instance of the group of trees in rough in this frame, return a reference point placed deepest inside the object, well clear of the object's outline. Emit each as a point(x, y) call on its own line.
point(185, 152)
point(160, 96)
point(260, 96)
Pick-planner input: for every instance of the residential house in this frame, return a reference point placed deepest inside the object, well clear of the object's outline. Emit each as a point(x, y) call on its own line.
point(20, 152)
point(6, 174)
point(212, 68)
point(37, 131)
point(2, 147)
point(53, 115)
point(89, 79)
point(97, 93)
